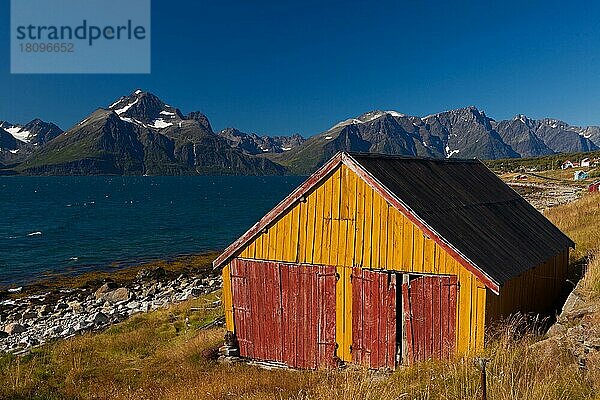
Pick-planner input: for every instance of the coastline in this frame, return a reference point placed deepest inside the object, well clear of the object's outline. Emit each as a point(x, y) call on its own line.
point(64, 305)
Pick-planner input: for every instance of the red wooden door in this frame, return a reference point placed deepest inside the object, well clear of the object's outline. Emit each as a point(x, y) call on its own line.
point(374, 318)
point(284, 312)
point(257, 309)
point(309, 315)
point(429, 304)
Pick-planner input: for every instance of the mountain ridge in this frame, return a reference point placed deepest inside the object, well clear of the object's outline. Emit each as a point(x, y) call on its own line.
point(461, 133)
point(140, 134)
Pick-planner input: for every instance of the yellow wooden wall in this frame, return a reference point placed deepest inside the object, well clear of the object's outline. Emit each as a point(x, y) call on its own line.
point(536, 290)
point(228, 298)
point(343, 222)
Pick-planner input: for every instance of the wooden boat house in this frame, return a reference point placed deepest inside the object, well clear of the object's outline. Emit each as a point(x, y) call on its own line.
point(380, 260)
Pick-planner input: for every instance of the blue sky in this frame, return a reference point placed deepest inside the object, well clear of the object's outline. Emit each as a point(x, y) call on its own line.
point(285, 67)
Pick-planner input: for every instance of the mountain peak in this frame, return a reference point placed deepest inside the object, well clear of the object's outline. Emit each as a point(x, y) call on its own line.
point(35, 132)
point(375, 114)
point(147, 110)
point(473, 110)
point(523, 118)
point(464, 110)
point(368, 117)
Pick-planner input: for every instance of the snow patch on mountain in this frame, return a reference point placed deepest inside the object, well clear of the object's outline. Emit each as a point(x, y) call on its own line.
point(450, 153)
point(127, 107)
point(19, 133)
point(160, 123)
point(116, 102)
point(349, 121)
point(368, 117)
point(395, 114)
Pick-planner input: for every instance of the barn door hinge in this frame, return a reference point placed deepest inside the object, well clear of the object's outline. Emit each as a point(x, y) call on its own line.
point(350, 347)
point(337, 276)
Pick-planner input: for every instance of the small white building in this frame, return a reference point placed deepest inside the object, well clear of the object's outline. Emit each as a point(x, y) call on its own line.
point(566, 165)
point(585, 162)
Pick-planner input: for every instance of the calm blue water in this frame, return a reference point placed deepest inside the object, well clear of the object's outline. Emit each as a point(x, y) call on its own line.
point(77, 224)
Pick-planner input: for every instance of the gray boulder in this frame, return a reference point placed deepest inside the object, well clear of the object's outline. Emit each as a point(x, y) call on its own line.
point(117, 295)
point(100, 318)
point(102, 290)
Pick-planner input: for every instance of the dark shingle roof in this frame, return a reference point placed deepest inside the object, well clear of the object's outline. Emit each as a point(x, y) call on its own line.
point(472, 209)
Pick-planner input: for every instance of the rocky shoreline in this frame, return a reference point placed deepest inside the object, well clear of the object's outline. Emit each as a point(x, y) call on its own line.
point(576, 329)
point(29, 320)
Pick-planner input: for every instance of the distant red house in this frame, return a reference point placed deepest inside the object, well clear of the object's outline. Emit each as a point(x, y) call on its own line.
point(594, 187)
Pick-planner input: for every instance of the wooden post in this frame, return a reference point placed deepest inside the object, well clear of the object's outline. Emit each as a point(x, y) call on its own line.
point(482, 362)
point(483, 384)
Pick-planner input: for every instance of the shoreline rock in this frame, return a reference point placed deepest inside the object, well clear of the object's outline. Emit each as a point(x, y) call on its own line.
point(33, 320)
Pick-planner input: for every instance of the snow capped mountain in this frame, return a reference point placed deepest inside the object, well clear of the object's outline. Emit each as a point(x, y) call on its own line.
point(141, 134)
point(147, 110)
point(531, 137)
point(17, 142)
point(465, 132)
point(35, 132)
point(367, 117)
point(18, 132)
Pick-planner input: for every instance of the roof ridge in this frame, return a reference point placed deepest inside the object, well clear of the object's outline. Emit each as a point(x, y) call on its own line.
point(413, 158)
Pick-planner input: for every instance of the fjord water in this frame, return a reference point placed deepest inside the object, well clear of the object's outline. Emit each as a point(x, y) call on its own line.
point(77, 224)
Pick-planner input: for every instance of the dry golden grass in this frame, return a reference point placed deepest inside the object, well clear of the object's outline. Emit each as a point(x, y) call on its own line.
point(156, 356)
point(590, 285)
point(581, 220)
point(161, 355)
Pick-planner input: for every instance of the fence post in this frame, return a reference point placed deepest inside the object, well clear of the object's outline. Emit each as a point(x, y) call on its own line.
point(481, 362)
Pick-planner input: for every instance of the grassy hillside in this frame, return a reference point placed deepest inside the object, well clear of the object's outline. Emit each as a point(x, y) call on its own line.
point(544, 163)
point(166, 355)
